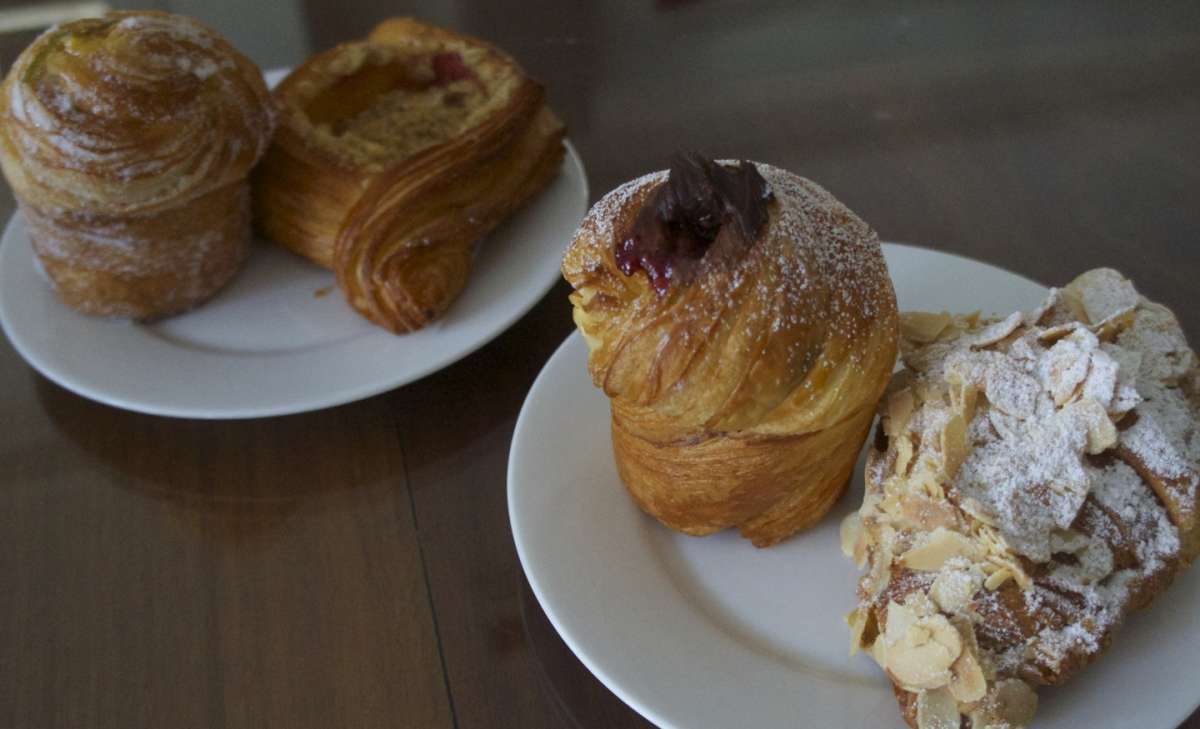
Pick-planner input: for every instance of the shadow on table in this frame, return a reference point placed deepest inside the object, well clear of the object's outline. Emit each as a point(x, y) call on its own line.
point(230, 479)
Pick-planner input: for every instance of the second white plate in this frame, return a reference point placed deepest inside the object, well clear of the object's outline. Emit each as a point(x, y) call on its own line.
point(280, 338)
point(710, 632)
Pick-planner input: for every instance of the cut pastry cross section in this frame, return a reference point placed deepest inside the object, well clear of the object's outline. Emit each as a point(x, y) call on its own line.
point(1033, 479)
point(395, 155)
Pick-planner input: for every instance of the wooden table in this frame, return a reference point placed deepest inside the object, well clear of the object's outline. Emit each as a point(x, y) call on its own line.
point(354, 567)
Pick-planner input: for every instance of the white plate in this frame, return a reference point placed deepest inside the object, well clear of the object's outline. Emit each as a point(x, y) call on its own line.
point(269, 343)
point(711, 632)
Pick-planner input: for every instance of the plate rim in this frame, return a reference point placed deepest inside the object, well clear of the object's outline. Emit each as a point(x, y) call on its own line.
point(343, 396)
point(535, 585)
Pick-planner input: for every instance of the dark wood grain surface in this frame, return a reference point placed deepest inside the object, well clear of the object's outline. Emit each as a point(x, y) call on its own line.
point(354, 567)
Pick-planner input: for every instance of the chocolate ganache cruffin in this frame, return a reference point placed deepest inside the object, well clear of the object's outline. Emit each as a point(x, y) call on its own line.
point(687, 215)
point(743, 370)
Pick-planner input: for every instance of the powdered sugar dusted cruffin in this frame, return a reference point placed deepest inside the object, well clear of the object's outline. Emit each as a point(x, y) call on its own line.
point(1034, 479)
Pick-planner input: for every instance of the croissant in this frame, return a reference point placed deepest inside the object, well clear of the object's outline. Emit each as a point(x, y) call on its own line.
point(1034, 479)
point(128, 140)
point(743, 324)
point(395, 155)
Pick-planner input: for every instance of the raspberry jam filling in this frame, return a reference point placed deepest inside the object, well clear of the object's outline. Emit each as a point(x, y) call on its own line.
point(701, 201)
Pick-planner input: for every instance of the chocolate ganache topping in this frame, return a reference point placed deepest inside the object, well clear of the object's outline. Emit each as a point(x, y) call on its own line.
point(701, 203)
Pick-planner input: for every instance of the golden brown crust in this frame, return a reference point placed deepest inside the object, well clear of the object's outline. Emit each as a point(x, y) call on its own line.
point(166, 263)
point(688, 485)
point(404, 252)
point(127, 140)
point(396, 217)
point(741, 398)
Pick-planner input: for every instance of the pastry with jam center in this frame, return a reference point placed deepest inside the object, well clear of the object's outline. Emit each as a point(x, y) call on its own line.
point(743, 325)
point(395, 154)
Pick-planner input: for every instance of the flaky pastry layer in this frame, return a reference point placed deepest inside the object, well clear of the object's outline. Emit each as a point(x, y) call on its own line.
point(395, 155)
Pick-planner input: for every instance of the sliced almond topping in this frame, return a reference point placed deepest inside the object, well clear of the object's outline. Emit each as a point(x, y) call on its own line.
point(940, 545)
point(998, 578)
point(921, 644)
point(1010, 704)
point(997, 331)
point(937, 710)
point(1101, 382)
point(930, 391)
point(1037, 315)
point(1095, 562)
point(1050, 335)
point(916, 636)
point(954, 444)
point(953, 588)
point(1155, 332)
point(1070, 300)
point(1101, 436)
point(1010, 390)
point(856, 619)
point(923, 326)
point(922, 666)
point(1101, 432)
point(1111, 328)
point(1125, 396)
point(901, 617)
point(969, 684)
point(926, 478)
point(963, 399)
point(878, 652)
point(850, 528)
point(977, 511)
point(899, 411)
point(854, 538)
point(1064, 368)
point(904, 454)
point(1104, 294)
point(880, 574)
point(926, 513)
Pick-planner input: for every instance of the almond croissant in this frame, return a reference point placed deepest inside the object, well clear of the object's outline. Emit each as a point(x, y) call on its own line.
point(1034, 479)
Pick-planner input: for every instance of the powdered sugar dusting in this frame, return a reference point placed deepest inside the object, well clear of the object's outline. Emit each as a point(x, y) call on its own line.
point(1106, 295)
point(601, 218)
point(1161, 446)
point(815, 273)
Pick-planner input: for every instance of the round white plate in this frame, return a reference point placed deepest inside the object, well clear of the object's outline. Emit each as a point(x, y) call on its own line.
point(280, 338)
point(711, 632)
